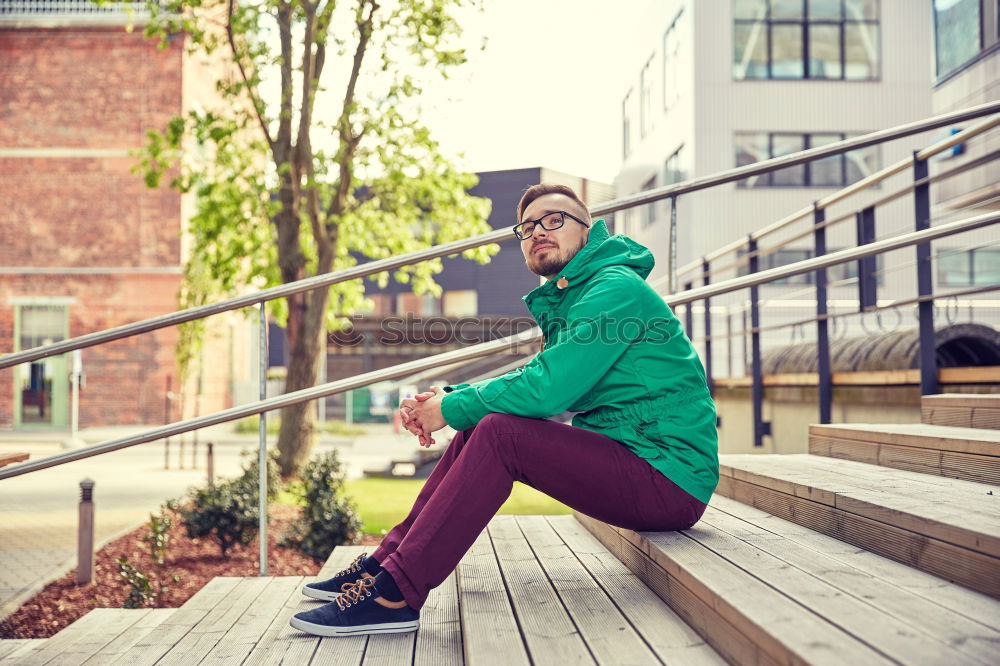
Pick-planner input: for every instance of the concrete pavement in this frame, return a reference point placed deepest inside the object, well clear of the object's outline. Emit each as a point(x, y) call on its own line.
point(38, 511)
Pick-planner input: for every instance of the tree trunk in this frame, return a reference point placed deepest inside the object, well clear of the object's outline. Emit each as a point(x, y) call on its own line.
point(307, 341)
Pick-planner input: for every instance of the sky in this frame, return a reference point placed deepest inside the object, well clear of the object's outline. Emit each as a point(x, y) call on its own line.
point(546, 90)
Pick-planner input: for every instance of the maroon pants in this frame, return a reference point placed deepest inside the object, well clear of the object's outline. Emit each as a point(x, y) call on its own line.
point(591, 473)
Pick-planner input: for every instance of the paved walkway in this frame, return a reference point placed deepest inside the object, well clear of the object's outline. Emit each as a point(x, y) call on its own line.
point(38, 511)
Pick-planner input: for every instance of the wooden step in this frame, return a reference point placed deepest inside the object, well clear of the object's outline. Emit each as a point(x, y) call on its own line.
point(972, 454)
point(965, 410)
point(764, 590)
point(532, 590)
point(98, 637)
point(14, 648)
point(947, 527)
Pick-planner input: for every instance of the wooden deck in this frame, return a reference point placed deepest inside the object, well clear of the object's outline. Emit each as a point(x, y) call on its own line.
point(532, 590)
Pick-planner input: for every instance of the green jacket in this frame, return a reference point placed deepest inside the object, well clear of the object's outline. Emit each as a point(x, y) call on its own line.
point(615, 353)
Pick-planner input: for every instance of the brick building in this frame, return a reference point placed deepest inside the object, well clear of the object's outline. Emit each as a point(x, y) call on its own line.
point(84, 245)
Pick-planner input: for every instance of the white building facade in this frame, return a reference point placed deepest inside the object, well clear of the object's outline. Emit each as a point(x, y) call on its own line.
point(717, 84)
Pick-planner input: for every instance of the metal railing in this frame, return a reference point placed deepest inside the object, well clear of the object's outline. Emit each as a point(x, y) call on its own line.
point(818, 264)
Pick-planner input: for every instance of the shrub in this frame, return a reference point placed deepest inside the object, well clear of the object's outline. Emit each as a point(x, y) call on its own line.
point(228, 512)
point(328, 519)
point(141, 592)
point(146, 590)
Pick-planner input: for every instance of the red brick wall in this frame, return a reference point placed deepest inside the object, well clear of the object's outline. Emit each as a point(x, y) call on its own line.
point(92, 89)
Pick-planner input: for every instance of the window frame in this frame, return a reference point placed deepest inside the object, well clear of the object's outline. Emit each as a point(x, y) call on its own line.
point(804, 22)
point(767, 179)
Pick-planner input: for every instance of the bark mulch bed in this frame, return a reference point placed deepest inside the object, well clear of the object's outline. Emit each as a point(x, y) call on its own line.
point(194, 561)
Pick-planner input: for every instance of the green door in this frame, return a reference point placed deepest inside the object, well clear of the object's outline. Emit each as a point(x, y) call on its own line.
point(41, 387)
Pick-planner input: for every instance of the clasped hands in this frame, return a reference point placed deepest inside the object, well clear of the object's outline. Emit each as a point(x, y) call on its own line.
point(421, 414)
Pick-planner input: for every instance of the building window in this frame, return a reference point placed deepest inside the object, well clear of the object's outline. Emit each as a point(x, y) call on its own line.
point(381, 305)
point(649, 210)
point(969, 268)
point(646, 98)
point(626, 124)
point(675, 168)
point(958, 33)
point(418, 304)
point(806, 39)
point(461, 303)
point(671, 68)
point(42, 383)
point(834, 171)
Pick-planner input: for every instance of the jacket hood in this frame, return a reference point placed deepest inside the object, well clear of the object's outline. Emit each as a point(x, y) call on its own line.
point(601, 250)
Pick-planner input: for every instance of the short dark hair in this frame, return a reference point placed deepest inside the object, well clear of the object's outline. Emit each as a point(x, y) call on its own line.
point(541, 190)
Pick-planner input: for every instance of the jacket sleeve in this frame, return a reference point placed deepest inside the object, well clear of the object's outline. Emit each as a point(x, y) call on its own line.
point(599, 328)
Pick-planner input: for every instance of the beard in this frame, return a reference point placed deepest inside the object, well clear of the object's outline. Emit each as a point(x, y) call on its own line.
point(552, 262)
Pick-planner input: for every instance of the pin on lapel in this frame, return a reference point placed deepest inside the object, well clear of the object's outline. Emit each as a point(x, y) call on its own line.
point(562, 283)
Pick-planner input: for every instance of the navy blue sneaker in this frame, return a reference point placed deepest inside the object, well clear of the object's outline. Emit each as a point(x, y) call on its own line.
point(358, 610)
point(330, 589)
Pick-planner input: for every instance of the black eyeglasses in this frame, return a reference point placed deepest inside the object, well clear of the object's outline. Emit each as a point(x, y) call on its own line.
point(549, 222)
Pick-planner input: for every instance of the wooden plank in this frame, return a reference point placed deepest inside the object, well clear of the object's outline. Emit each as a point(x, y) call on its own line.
point(883, 497)
point(781, 628)
point(989, 374)
point(81, 639)
point(962, 601)
point(10, 645)
point(162, 637)
point(25, 647)
point(667, 635)
point(240, 639)
point(207, 632)
point(922, 435)
point(805, 576)
point(491, 635)
point(965, 466)
point(116, 648)
point(386, 649)
point(874, 585)
point(546, 627)
point(607, 632)
point(439, 639)
point(972, 400)
point(970, 568)
point(281, 643)
point(726, 639)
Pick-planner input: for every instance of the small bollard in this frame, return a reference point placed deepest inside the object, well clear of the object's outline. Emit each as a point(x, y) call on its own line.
point(166, 453)
point(210, 464)
point(85, 535)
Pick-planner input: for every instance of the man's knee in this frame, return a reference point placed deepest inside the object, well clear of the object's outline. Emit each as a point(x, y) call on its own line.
point(502, 422)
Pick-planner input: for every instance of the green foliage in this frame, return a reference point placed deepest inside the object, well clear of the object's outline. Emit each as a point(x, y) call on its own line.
point(228, 512)
point(328, 519)
point(332, 167)
point(158, 537)
point(141, 593)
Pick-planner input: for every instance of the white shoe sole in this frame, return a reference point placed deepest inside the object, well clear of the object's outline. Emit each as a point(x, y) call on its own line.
point(313, 593)
point(327, 631)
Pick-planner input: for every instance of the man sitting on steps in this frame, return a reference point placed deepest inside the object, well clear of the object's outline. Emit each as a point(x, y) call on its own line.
point(641, 454)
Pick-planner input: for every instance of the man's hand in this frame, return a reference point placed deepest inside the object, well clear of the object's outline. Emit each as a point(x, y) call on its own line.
point(409, 415)
point(427, 414)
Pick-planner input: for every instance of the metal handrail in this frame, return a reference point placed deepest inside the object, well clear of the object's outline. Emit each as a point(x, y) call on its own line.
point(498, 235)
point(525, 337)
point(840, 195)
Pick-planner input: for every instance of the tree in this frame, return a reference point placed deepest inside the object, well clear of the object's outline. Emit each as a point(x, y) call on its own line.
point(287, 192)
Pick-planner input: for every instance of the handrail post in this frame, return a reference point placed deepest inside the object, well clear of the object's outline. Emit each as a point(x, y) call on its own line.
point(673, 245)
point(760, 427)
point(85, 534)
point(864, 221)
point(689, 313)
point(262, 445)
point(822, 324)
point(166, 421)
point(708, 330)
point(210, 464)
point(925, 284)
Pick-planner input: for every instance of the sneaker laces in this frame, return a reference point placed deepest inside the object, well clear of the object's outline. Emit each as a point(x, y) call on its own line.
point(354, 592)
point(354, 566)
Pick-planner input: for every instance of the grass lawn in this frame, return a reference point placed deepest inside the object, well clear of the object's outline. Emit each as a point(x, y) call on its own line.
point(382, 503)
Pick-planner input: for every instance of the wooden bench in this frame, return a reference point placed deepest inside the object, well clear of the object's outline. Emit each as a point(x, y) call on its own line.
point(10, 458)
